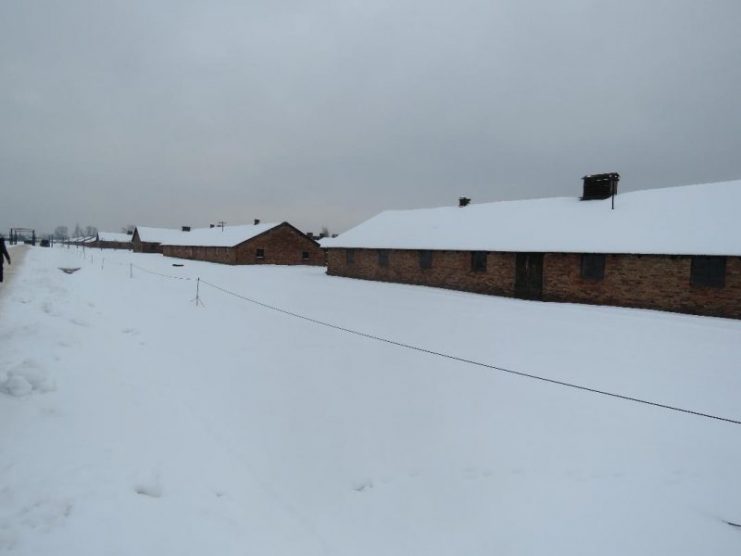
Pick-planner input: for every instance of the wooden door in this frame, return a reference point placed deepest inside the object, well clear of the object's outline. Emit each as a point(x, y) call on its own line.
point(529, 276)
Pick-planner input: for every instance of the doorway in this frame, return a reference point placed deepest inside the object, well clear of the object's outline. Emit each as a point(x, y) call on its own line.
point(529, 276)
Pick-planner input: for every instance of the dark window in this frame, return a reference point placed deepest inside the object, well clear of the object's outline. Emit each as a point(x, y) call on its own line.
point(260, 254)
point(305, 255)
point(478, 261)
point(350, 256)
point(592, 267)
point(709, 272)
point(425, 259)
point(383, 257)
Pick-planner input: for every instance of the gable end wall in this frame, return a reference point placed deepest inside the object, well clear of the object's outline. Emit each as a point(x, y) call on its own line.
point(283, 245)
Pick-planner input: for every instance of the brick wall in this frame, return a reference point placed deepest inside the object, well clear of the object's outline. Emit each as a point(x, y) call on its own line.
point(450, 269)
point(145, 247)
point(282, 245)
point(647, 281)
point(113, 245)
point(225, 255)
point(644, 281)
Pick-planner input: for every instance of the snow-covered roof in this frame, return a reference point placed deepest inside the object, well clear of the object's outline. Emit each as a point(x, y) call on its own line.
point(687, 220)
point(228, 236)
point(114, 236)
point(148, 234)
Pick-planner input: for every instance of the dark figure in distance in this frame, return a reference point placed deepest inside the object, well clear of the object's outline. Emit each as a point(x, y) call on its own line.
point(3, 253)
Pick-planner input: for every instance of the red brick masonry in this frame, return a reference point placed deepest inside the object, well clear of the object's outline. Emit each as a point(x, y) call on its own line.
point(139, 246)
point(284, 245)
point(646, 281)
point(112, 245)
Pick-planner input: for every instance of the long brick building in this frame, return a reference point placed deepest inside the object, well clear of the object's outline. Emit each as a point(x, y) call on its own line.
point(113, 240)
point(675, 249)
point(274, 243)
point(147, 239)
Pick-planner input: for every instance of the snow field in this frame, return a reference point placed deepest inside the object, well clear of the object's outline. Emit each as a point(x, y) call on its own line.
point(159, 427)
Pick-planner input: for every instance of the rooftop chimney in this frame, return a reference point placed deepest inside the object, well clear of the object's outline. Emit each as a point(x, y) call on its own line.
point(186, 228)
point(463, 201)
point(600, 186)
point(257, 221)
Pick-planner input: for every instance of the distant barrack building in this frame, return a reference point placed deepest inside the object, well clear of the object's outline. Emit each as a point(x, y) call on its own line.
point(150, 240)
point(113, 240)
point(674, 249)
point(258, 243)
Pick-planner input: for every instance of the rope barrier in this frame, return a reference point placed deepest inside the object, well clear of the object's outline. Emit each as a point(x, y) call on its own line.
point(521, 374)
point(443, 355)
point(161, 274)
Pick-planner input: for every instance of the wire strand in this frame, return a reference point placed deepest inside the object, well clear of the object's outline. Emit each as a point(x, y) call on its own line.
point(473, 362)
point(448, 356)
point(161, 274)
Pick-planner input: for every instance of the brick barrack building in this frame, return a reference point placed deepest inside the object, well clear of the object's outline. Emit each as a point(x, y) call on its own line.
point(674, 249)
point(149, 240)
point(112, 240)
point(278, 243)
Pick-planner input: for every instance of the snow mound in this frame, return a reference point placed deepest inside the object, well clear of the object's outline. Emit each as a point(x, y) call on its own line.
point(24, 379)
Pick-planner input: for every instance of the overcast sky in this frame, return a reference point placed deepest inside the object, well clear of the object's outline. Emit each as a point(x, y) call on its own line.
point(170, 112)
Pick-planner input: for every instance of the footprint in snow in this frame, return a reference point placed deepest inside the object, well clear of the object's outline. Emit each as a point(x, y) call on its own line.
point(360, 486)
point(150, 486)
point(153, 491)
point(45, 513)
point(41, 515)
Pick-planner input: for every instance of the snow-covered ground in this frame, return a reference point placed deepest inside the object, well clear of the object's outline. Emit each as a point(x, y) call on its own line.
point(135, 422)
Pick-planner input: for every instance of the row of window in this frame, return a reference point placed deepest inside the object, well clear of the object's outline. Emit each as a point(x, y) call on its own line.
point(260, 254)
point(478, 259)
point(705, 270)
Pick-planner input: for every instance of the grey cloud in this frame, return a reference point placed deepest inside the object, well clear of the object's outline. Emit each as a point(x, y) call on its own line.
point(327, 112)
